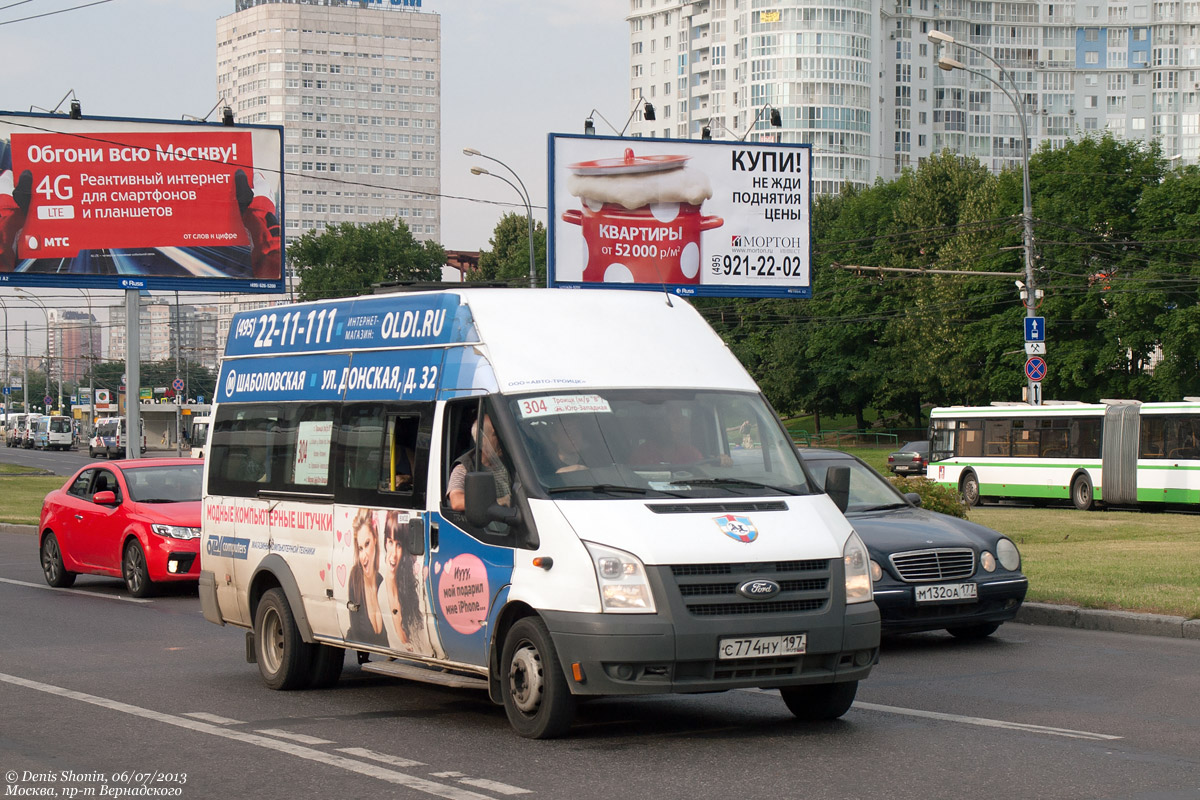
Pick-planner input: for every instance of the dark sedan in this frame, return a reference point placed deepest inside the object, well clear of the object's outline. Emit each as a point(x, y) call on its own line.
point(911, 459)
point(930, 571)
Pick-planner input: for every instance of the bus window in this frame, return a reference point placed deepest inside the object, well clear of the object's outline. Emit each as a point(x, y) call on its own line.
point(1085, 437)
point(384, 451)
point(995, 436)
point(1152, 438)
point(1025, 436)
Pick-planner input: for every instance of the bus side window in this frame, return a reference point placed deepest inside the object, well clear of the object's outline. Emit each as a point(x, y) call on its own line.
point(383, 451)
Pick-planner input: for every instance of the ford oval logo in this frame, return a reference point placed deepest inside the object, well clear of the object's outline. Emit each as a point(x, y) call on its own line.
point(759, 589)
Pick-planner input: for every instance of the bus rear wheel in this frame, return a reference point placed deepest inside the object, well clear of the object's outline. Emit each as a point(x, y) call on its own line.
point(970, 489)
point(1081, 492)
point(284, 658)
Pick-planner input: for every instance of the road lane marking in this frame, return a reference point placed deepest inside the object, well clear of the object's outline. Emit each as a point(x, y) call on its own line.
point(265, 742)
point(482, 783)
point(83, 592)
point(988, 723)
point(395, 761)
point(295, 737)
point(213, 718)
point(981, 721)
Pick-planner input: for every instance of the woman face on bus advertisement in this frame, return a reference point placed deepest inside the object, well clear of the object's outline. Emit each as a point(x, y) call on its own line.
point(365, 538)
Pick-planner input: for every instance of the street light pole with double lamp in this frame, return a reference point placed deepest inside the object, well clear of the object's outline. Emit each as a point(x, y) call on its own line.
point(1029, 294)
point(524, 194)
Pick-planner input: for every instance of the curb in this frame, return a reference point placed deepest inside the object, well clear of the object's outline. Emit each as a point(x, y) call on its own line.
point(8, 527)
point(1091, 619)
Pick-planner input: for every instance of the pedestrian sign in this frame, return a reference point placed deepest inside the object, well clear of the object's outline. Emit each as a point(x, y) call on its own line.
point(1035, 368)
point(1035, 329)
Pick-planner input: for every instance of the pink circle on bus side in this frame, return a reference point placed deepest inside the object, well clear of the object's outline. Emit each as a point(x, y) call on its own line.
point(463, 593)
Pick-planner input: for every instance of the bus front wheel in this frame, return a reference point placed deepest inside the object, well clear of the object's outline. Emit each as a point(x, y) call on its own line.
point(537, 700)
point(970, 489)
point(1081, 492)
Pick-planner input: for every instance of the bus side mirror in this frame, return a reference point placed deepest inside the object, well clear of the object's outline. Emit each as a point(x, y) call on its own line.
point(481, 506)
point(837, 486)
point(416, 537)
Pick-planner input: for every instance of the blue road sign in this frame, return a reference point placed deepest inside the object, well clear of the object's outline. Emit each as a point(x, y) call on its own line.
point(1035, 329)
point(1035, 368)
point(177, 385)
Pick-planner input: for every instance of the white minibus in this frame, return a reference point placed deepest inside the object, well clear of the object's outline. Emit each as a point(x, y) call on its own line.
point(198, 435)
point(542, 494)
point(53, 432)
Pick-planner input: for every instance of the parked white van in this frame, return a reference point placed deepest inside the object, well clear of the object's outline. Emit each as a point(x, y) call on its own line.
point(52, 432)
point(198, 435)
point(14, 427)
point(634, 518)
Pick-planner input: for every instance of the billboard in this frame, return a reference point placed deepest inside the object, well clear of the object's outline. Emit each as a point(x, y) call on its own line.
point(697, 218)
point(140, 204)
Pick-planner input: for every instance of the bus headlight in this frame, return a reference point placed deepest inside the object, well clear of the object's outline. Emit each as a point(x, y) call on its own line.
point(858, 570)
point(624, 588)
point(1006, 551)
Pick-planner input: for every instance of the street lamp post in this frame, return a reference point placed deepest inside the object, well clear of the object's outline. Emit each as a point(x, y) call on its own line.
point(1029, 294)
point(524, 194)
point(7, 382)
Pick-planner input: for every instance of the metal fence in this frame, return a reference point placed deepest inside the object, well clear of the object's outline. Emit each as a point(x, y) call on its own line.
point(871, 437)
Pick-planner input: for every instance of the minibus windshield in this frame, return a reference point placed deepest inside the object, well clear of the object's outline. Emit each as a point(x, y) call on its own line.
point(618, 444)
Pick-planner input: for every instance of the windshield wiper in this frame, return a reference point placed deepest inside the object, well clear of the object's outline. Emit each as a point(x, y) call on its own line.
point(607, 488)
point(160, 500)
point(733, 482)
point(882, 507)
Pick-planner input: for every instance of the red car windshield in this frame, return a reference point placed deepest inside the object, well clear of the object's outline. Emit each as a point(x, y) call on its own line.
point(177, 483)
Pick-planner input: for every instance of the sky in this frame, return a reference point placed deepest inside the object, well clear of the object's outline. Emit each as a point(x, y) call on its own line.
point(513, 71)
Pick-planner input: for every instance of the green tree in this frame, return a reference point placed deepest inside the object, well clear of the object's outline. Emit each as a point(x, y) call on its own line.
point(508, 258)
point(345, 260)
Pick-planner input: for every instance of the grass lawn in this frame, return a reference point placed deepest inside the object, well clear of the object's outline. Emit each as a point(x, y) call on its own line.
point(21, 495)
point(1127, 560)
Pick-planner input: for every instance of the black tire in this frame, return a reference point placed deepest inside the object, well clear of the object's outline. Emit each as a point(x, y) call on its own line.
point(326, 666)
point(135, 572)
point(284, 659)
point(52, 564)
point(980, 631)
point(970, 489)
point(820, 703)
point(537, 699)
point(1081, 492)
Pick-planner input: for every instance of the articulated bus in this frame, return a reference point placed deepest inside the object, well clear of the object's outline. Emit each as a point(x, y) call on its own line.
point(1118, 452)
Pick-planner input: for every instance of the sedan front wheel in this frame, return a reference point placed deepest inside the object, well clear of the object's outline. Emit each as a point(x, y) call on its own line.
point(135, 571)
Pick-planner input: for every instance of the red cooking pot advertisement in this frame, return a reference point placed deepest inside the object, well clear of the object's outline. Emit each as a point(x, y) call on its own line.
point(707, 218)
point(139, 204)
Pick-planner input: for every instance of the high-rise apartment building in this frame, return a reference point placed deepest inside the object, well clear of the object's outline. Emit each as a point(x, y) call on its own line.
point(356, 85)
point(74, 344)
point(859, 79)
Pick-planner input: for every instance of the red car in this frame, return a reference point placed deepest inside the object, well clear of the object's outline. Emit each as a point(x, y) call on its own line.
point(137, 519)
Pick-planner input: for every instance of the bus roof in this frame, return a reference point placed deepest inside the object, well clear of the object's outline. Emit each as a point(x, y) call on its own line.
point(527, 339)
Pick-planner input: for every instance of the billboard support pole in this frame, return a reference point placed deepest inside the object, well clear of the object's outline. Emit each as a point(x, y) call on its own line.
point(133, 378)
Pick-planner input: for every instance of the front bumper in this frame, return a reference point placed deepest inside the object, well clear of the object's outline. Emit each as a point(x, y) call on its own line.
point(998, 600)
point(173, 559)
point(634, 654)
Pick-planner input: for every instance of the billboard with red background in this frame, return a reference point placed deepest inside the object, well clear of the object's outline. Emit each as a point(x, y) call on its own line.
point(140, 204)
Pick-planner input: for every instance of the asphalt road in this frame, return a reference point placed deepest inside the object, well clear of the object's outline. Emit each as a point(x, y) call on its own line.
point(97, 689)
point(62, 462)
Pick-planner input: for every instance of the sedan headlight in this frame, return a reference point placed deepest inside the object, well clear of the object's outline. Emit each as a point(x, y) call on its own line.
point(876, 571)
point(1006, 551)
point(858, 570)
point(987, 561)
point(176, 531)
point(624, 588)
